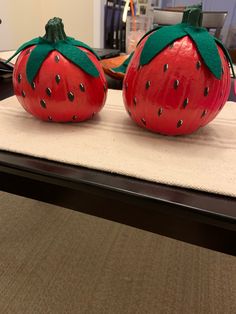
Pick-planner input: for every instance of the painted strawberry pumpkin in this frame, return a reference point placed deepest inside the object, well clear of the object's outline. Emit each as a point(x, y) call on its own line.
point(178, 78)
point(57, 78)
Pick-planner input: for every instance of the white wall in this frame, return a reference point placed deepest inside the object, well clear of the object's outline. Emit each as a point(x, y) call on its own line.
point(77, 16)
point(98, 23)
point(23, 20)
point(20, 22)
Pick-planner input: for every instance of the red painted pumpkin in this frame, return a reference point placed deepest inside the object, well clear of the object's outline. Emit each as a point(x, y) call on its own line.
point(57, 78)
point(173, 84)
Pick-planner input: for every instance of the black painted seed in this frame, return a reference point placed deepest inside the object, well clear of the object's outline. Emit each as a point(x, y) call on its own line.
point(33, 85)
point(180, 123)
point(19, 78)
point(43, 103)
point(171, 45)
point(74, 117)
point(198, 65)
point(57, 58)
point(185, 103)
point(129, 113)
point(160, 111)
point(70, 96)
point(48, 91)
point(204, 113)
point(148, 84)
point(135, 101)
point(105, 88)
point(143, 121)
point(176, 84)
point(23, 94)
point(139, 67)
point(206, 91)
point(82, 88)
point(28, 51)
point(57, 78)
point(166, 66)
point(49, 118)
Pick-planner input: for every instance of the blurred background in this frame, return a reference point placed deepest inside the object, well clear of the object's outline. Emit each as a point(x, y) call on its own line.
point(26, 19)
point(112, 27)
point(90, 20)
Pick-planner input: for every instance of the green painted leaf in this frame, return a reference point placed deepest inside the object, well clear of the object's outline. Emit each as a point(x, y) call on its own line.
point(36, 58)
point(226, 54)
point(207, 48)
point(123, 67)
point(160, 40)
point(148, 33)
point(32, 42)
point(75, 42)
point(78, 57)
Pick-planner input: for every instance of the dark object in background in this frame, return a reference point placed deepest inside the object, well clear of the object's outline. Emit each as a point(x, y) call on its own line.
point(232, 53)
point(5, 69)
point(106, 53)
point(114, 28)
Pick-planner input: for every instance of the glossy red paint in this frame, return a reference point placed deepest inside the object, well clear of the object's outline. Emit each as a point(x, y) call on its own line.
point(175, 93)
point(61, 91)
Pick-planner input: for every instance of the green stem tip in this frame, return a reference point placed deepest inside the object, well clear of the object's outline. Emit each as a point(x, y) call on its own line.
point(193, 17)
point(55, 30)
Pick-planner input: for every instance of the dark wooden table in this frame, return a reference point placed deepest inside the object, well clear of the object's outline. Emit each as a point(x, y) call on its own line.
point(199, 218)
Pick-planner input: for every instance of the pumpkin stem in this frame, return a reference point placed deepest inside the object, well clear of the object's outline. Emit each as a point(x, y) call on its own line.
point(193, 17)
point(54, 30)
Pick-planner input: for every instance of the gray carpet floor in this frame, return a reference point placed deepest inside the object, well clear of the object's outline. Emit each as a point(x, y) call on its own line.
point(53, 260)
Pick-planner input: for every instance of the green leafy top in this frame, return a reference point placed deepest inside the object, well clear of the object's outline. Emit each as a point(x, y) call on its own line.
point(206, 44)
point(56, 39)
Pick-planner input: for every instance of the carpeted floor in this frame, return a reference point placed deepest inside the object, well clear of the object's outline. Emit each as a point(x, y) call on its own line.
point(53, 260)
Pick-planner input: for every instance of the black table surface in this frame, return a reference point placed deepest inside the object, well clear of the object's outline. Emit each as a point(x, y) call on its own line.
point(199, 218)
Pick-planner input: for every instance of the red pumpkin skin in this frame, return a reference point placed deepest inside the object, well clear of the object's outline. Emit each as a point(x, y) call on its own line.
point(175, 93)
point(48, 98)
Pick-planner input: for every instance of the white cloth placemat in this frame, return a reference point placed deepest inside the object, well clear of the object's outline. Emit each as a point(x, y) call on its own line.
point(205, 160)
